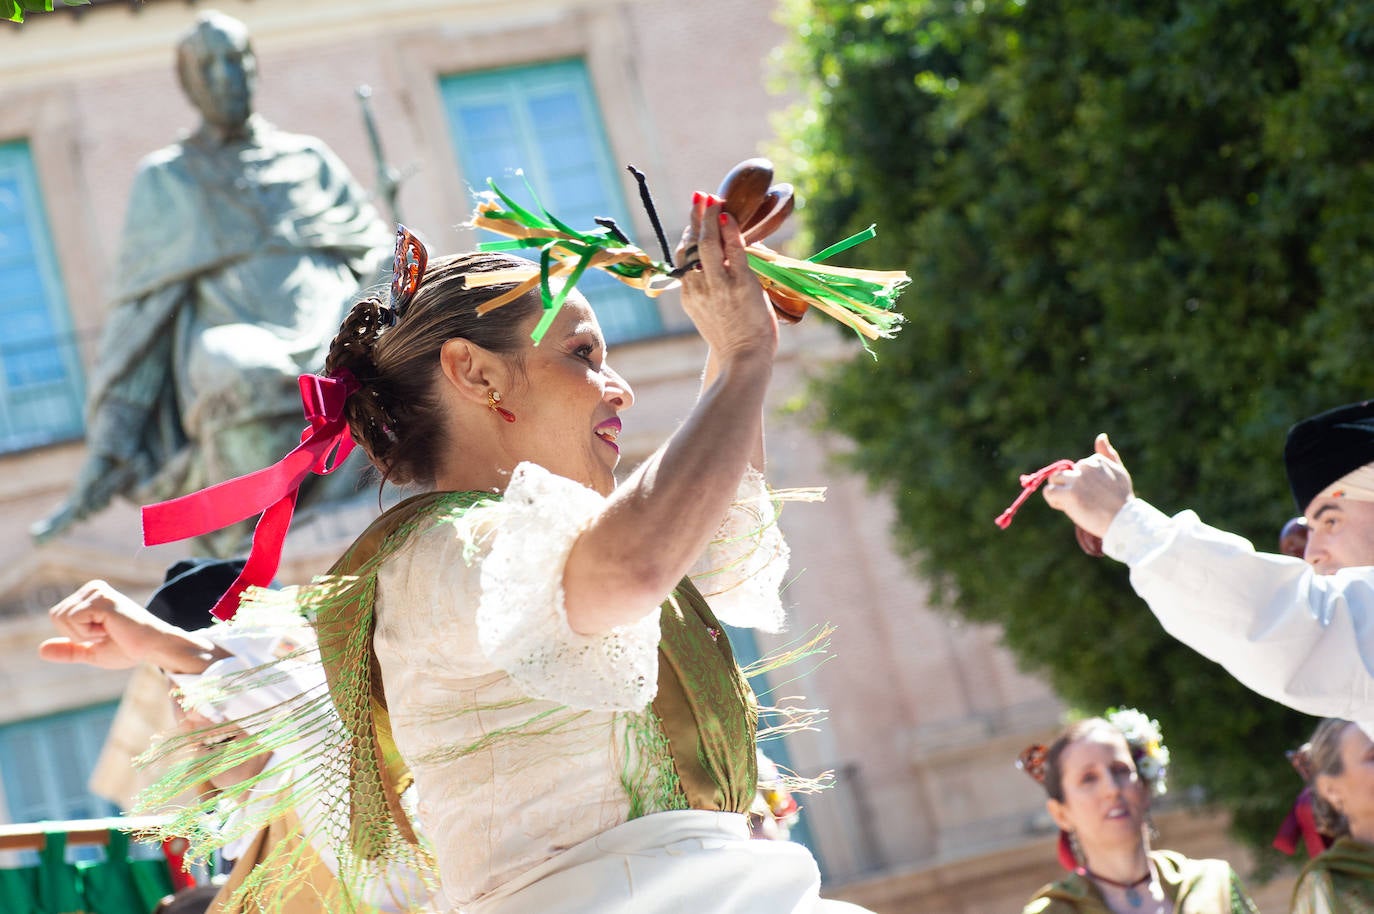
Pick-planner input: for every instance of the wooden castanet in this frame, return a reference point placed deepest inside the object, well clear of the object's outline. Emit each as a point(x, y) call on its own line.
point(760, 207)
point(745, 187)
point(772, 213)
point(790, 307)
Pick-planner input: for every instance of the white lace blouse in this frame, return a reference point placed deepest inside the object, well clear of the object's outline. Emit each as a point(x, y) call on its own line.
point(522, 734)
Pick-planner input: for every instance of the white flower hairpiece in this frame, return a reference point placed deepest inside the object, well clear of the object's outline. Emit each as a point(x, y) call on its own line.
point(1146, 743)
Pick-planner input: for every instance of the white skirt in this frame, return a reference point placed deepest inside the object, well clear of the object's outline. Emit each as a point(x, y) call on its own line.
point(687, 862)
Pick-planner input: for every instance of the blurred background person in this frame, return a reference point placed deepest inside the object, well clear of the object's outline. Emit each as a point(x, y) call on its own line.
point(1099, 776)
point(1340, 759)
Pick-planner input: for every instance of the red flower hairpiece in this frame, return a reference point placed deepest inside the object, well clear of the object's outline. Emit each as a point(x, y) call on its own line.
point(1301, 760)
point(1032, 761)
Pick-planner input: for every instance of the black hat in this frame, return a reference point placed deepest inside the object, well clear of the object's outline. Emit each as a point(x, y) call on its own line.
point(1326, 447)
point(190, 590)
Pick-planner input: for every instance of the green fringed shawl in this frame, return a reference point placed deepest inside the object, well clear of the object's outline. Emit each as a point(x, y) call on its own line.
point(1340, 879)
point(704, 707)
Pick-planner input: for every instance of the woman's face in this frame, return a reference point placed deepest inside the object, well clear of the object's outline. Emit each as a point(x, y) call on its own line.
point(1352, 791)
point(567, 408)
point(1105, 801)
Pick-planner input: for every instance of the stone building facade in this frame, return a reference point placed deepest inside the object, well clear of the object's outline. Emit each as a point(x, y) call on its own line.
point(925, 712)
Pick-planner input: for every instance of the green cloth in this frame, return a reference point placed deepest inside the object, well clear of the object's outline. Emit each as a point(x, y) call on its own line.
point(114, 885)
point(1339, 880)
point(19, 890)
point(59, 888)
point(1194, 886)
point(118, 885)
point(705, 707)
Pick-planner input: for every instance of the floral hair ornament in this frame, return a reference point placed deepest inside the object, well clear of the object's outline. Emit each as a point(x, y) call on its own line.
point(1301, 760)
point(863, 300)
point(1032, 761)
point(1146, 742)
point(271, 492)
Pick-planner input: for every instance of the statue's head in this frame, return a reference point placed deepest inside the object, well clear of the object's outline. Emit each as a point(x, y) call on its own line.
point(218, 70)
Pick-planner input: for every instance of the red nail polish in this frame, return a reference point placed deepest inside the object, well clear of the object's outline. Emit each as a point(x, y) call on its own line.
point(724, 218)
point(696, 198)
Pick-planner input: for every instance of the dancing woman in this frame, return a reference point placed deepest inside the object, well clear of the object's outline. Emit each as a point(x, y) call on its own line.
point(523, 640)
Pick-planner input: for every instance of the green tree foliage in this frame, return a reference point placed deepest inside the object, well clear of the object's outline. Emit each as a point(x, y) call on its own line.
point(1150, 218)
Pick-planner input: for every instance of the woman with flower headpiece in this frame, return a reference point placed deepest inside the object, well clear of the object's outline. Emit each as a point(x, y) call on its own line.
point(1339, 766)
point(1100, 774)
point(523, 641)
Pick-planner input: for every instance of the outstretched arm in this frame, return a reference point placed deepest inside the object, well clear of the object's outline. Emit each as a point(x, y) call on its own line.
point(102, 627)
point(1302, 639)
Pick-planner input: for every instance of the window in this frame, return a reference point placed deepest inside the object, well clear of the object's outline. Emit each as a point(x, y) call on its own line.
point(45, 763)
point(40, 376)
point(544, 120)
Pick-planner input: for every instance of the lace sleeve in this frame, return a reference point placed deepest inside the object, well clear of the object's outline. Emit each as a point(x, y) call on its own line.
point(522, 624)
point(741, 572)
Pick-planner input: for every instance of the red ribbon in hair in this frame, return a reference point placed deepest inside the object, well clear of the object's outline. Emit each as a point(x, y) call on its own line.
point(271, 492)
point(1301, 823)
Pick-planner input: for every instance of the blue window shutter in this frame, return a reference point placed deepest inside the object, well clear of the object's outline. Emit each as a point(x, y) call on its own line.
point(40, 371)
point(45, 763)
point(544, 120)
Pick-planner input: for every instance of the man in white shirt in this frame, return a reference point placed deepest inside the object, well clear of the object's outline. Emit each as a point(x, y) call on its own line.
point(1298, 631)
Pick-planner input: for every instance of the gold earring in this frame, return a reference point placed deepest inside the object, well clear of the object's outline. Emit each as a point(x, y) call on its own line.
point(494, 404)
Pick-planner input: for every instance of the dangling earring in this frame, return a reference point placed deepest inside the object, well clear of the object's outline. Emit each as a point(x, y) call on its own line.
point(494, 404)
point(1076, 849)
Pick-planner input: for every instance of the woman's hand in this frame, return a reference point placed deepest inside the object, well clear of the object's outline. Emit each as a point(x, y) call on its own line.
point(721, 294)
point(102, 627)
point(1094, 491)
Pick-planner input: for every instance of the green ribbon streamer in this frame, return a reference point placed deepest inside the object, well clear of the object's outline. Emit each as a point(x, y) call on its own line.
point(840, 246)
point(870, 301)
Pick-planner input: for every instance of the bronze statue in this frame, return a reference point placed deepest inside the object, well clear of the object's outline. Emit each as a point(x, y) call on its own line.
point(242, 247)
